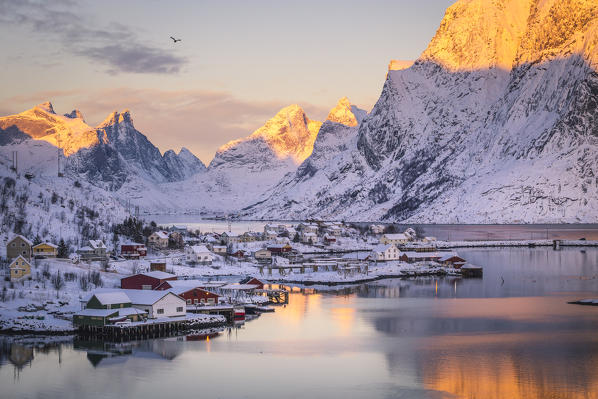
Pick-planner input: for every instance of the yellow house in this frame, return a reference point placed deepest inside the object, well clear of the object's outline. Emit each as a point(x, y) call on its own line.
point(46, 249)
point(19, 268)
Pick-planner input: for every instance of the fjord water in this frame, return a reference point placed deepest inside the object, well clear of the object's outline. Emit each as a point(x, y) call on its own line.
point(509, 335)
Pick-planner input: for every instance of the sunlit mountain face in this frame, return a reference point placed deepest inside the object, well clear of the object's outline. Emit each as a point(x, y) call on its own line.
point(495, 122)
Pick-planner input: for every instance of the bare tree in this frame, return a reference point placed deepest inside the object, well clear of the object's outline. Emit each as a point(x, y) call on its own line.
point(58, 282)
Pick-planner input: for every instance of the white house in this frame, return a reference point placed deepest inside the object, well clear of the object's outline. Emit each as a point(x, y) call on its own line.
point(158, 239)
point(309, 238)
point(384, 252)
point(308, 228)
point(157, 304)
point(270, 235)
point(230, 237)
point(429, 240)
point(376, 229)
point(198, 254)
point(219, 249)
point(396, 239)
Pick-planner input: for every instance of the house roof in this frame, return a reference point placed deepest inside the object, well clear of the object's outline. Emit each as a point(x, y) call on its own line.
point(86, 248)
point(161, 234)
point(239, 287)
point(16, 259)
point(199, 249)
point(381, 247)
point(97, 312)
point(133, 243)
point(46, 243)
point(22, 238)
point(398, 236)
point(415, 255)
point(230, 234)
point(159, 275)
point(448, 255)
point(112, 297)
point(96, 244)
point(146, 297)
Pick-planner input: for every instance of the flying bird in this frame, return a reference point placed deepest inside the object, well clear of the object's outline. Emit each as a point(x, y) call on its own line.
point(175, 40)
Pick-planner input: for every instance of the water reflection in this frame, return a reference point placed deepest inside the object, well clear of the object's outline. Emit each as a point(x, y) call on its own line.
point(414, 338)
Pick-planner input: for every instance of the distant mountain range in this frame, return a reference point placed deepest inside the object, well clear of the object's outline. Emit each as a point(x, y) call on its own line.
point(497, 121)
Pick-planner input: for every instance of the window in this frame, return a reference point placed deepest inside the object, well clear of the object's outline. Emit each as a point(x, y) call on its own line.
point(160, 311)
point(195, 301)
point(146, 287)
point(188, 301)
point(179, 309)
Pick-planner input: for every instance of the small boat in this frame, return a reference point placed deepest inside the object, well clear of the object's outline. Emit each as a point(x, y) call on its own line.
point(264, 309)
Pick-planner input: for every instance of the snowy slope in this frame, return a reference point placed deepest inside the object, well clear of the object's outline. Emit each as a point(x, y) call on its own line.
point(496, 122)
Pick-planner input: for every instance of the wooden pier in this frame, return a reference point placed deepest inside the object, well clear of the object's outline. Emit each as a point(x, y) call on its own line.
point(135, 330)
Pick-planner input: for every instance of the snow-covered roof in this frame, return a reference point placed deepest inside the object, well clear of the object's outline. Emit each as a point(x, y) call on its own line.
point(447, 256)
point(381, 248)
point(159, 275)
point(133, 243)
point(416, 255)
point(230, 234)
point(86, 248)
point(199, 249)
point(309, 234)
point(96, 244)
point(240, 287)
point(397, 236)
point(46, 243)
point(271, 232)
point(22, 238)
point(219, 246)
point(112, 297)
point(470, 266)
point(161, 234)
point(146, 297)
point(97, 312)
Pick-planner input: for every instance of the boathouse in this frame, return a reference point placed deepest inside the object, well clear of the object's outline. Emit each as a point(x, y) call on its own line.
point(146, 281)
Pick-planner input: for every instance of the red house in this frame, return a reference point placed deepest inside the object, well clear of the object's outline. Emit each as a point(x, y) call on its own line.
point(279, 248)
point(188, 290)
point(133, 250)
point(253, 281)
point(146, 281)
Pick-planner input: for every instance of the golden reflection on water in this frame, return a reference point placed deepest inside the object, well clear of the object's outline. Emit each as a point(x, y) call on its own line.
point(530, 364)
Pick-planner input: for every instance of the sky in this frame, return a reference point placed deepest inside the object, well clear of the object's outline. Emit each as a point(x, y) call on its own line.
point(237, 64)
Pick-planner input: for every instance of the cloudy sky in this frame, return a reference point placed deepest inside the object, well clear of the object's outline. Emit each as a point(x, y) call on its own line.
point(238, 63)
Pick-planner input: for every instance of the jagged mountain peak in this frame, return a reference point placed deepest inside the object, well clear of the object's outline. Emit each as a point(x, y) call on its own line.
point(75, 114)
point(47, 106)
point(486, 34)
point(290, 134)
point(343, 113)
point(117, 118)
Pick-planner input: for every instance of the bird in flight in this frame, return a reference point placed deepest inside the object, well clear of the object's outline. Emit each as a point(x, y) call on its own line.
point(175, 40)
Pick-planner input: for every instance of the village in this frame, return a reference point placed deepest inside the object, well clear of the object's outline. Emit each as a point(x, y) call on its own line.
point(178, 279)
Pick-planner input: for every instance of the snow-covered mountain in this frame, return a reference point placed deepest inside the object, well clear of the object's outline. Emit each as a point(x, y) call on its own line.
point(495, 122)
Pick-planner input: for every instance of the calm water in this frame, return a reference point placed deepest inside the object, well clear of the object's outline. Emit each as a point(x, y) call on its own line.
point(509, 335)
point(442, 232)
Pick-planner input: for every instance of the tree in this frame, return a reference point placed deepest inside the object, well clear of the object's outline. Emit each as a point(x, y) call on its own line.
point(63, 249)
point(296, 238)
point(58, 282)
point(37, 240)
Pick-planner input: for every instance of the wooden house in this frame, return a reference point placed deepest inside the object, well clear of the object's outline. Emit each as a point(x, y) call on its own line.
point(158, 304)
point(279, 248)
point(230, 237)
point(19, 269)
point(198, 254)
point(253, 281)
point(385, 252)
point(396, 239)
point(158, 239)
point(262, 255)
point(45, 250)
point(146, 281)
point(133, 250)
point(451, 259)
point(108, 307)
point(191, 291)
point(19, 246)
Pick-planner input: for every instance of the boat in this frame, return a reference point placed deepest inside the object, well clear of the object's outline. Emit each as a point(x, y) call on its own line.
point(239, 312)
